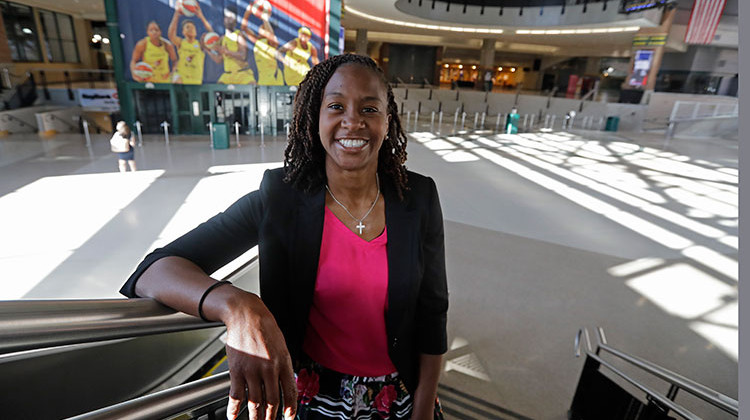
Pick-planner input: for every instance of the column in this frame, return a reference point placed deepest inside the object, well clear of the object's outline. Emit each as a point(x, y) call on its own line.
point(650, 41)
point(360, 45)
point(486, 62)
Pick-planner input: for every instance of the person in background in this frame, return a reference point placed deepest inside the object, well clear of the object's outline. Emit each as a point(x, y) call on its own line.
point(157, 52)
point(190, 49)
point(233, 51)
point(122, 143)
point(265, 46)
point(353, 289)
point(296, 54)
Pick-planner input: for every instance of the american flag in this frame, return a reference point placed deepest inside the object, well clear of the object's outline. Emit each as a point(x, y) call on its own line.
point(704, 18)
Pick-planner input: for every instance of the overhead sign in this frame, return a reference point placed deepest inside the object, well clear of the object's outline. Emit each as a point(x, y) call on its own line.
point(232, 42)
point(649, 40)
point(99, 99)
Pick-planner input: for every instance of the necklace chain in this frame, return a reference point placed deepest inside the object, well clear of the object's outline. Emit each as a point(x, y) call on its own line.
point(359, 226)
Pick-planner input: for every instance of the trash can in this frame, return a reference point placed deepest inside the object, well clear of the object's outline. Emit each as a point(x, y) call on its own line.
point(511, 122)
point(220, 135)
point(612, 123)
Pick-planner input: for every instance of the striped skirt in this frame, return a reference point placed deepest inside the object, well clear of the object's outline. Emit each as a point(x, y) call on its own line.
point(327, 394)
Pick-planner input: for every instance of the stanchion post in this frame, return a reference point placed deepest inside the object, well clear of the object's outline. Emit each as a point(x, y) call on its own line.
point(408, 119)
point(552, 122)
point(455, 120)
point(237, 132)
point(432, 121)
point(484, 115)
point(139, 130)
point(440, 122)
point(86, 132)
point(497, 122)
point(546, 121)
point(165, 125)
point(531, 122)
point(525, 121)
point(463, 120)
point(476, 120)
point(210, 134)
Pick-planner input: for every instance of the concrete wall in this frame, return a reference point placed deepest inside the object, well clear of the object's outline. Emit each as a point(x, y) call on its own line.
point(9, 119)
point(62, 120)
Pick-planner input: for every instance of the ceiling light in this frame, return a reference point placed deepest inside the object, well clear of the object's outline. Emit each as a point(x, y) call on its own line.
point(473, 67)
point(583, 31)
point(499, 69)
point(522, 31)
point(27, 31)
point(105, 40)
point(552, 32)
point(446, 65)
point(97, 37)
point(568, 31)
point(485, 30)
point(512, 69)
point(538, 32)
point(460, 66)
point(598, 30)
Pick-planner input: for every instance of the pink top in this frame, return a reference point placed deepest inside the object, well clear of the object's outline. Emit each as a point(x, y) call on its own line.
point(346, 330)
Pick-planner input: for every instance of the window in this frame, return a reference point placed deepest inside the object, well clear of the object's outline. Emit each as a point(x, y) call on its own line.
point(59, 37)
point(21, 31)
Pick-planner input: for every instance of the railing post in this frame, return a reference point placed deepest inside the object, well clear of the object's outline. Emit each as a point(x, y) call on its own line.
point(432, 121)
point(45, 89)
point(165, 124)
point(484, 115)
point(237, 132)
point(140, 133)
point(86, 132)
point(463, 120)
point(69, 85)
point(440, 122)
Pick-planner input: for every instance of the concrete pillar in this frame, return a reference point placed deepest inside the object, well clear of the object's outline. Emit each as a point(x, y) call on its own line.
point(486, 61)
point(658, 51)
point(360, 45)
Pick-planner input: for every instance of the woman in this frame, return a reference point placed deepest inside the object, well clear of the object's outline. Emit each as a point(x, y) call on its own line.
point(157, 52)
point(122, 143)
point(264, 50)
point(296, 54)
point(191, 51)
point(353, 286)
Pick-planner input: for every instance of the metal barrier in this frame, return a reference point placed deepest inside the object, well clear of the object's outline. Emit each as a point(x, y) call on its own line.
point(596, 394)
point(34, 325)
point(699, 111)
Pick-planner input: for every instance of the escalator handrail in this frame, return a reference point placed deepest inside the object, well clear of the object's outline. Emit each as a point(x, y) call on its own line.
point(36, 324)
point(728, 404)
point(167, 403)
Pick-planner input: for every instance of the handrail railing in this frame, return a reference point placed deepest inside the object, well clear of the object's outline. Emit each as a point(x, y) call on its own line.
point(56, 118)
point(166, 403)
point(9, 117)
point(715, 398)
point(703, 392)
point(29, 324)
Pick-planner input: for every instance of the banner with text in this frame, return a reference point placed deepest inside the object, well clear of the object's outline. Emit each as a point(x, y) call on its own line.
point(265, 42)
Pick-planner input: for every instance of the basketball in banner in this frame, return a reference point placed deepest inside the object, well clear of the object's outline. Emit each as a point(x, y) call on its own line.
point(264, 42)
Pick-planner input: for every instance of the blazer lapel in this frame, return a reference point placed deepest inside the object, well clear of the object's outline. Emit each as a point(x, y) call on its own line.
point(309, 233)
point(401, 223)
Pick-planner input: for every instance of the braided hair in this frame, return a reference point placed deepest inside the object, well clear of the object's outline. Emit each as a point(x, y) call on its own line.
point(304, 157)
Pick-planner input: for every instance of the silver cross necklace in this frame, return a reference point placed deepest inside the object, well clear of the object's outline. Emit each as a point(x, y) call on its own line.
point(360, 226)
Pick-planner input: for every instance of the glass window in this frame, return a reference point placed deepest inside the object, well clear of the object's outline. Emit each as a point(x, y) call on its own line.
point(21, 31)
point(59, 37)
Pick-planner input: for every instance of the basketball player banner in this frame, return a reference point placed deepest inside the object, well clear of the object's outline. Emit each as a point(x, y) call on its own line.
point(264, 42)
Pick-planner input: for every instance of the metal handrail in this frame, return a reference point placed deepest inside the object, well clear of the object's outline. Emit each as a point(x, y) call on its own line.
point(8, 117)
point(36, 324)
point(708, 395)
point(166, 403)
point(55, 117)
point(682, 411)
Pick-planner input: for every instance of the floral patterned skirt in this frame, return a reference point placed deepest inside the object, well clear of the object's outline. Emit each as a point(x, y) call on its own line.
point(327, 394)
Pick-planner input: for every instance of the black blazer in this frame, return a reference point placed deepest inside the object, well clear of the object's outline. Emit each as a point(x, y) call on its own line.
point(287, 224)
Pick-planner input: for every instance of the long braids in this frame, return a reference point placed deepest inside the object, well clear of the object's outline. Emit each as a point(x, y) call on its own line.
point(304, 157)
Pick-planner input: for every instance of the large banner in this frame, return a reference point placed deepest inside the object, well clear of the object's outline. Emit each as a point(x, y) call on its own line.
point(264, 42)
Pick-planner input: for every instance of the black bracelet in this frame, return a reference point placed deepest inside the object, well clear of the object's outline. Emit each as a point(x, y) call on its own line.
point(203, 298)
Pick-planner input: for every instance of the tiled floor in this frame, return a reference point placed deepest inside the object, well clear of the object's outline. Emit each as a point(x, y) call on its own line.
point(545, 233)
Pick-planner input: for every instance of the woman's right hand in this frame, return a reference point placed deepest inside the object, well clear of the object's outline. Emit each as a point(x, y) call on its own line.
point(259, 362)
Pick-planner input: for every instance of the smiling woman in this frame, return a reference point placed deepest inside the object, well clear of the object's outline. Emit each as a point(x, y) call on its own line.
point(353, 286)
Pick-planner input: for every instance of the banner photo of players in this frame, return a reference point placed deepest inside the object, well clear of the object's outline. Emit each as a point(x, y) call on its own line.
point(263, 42)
